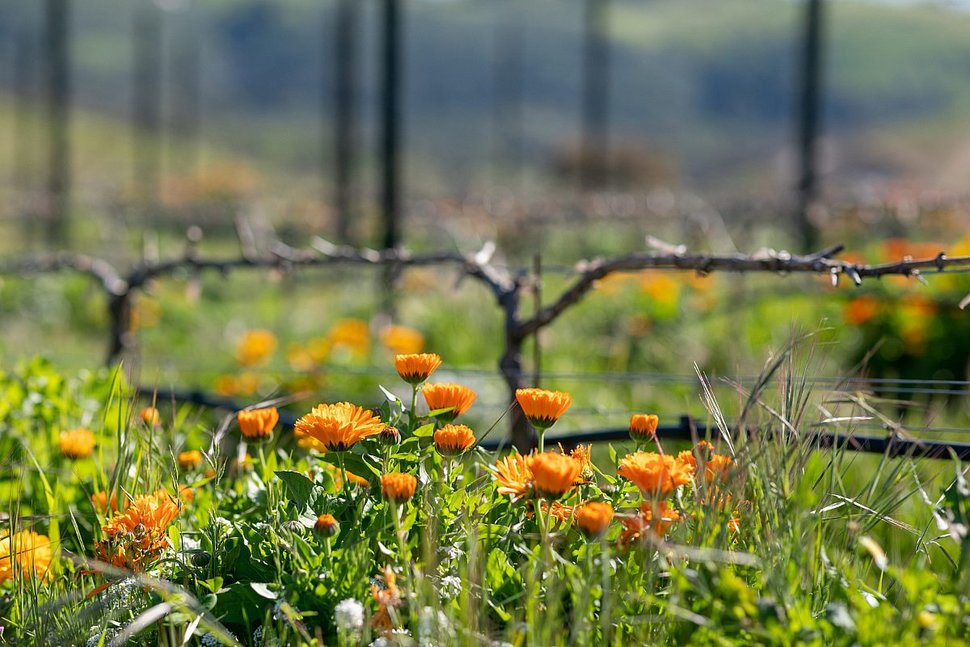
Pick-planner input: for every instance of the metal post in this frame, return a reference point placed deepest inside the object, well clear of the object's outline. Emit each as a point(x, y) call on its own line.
point(345, 68)
point(595, 95)
point(808, 122)
point(57, 37)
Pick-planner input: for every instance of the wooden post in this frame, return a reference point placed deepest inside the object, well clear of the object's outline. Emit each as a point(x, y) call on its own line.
point(345, 108)
point(57, 44)
point(186, 110)
point(146, 100)
point(390, 116)
point(507, 91)
point(595, 95)
point(810, 102)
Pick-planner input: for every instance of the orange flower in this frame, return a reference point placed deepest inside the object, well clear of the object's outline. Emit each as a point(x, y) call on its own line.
point(257, 423)
point(352, 478)
point(402, 340)
point(513, 475)
point(388, 600)
point(415, 369)
point(558, 511)
point(734, 524)
point(660, 516)
point(593, 517)
point(350, 333)
point(254, 347)
point(398, 487)
point(582, 455)
point(553, 474)
point(451, 440)
point(643, 427)
point(717, 467)
point(542, 408)
point(633, 527)
point(190, 459)
point(150, 416)
point(687, 457)
point(76, 443)
point(28, 554)
point(860, 310)
point(186, 493)
point(337, 427)
point(136, 537)
point(457, 398)
point(100, 501)
point(326, 525)
point(655, 474)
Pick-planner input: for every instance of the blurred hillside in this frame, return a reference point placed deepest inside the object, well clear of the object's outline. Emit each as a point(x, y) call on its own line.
point(702, 92)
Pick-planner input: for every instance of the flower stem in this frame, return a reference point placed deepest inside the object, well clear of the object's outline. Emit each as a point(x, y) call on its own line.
point(344, 481)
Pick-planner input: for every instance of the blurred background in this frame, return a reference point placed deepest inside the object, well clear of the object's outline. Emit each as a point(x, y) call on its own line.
point(561, 129)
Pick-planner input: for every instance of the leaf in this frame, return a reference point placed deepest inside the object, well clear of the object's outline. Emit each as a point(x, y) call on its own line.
point(390, 396)
point(424, 431)
point(437, 412)
point(299, 488)
point(354, 463)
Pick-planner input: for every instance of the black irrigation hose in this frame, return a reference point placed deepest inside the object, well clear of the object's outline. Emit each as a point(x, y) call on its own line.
point(686, 429)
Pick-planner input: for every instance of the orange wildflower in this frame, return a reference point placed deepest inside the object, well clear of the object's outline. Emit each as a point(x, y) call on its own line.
point(137, 536)
point(190, 459)
point(100, 501)
point(257, 423)
point(717, 467)
point(451, 440)
point(76, 443)
point(643, 426)
point(513, 475)
point(558, 511)
point(860, 310)
point(655, 474)
point(660, 516)
point(326, 525)
point(582, 454)
point(542, 408)
point(337, 427)
point(186, 494)
point(398, 487)
point(553, 474)
point(27, 554)
point(416, 368)
point(254, 347)
point(150, 416)
point(350, 333)
point(388, 600)
point(402, 340)
point(457, 398)
point(593, 517)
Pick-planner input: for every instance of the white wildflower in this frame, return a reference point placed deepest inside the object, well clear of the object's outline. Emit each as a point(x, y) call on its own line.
point(450, 587)
point(349, 615)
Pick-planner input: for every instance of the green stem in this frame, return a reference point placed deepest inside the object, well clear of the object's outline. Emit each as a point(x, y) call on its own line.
point(413, 413)
point(542, 438)
point(344, 481)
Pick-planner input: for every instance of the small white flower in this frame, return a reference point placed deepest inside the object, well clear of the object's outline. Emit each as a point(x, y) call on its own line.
point(381, 642)
point(349, 615)
point(433, 626)
point(450, 587)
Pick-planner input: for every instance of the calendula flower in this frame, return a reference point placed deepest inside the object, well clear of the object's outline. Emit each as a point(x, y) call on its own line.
point(655, 474)
point(416, 368)
point(398, 487)
point(390, 436)
point(582, 454)
point(402, 340)
point(76, 443)
point(593, 517)
point(186, 494)
point(643, 427)
point(687, 457)
point(326, 525)
point(513, 475)
point(451, 440)
point(388, 600)
point(633, 529)
point(542, 408)
point(100, 501)
point(558, 511)
point(27, 554)
point(734, 524)
point(257, 423)
point(136, 537)
point(337, 427)
point(457, 398)
point(351, 334)
point(254, 347)
point(659, 515)
point(190, 459)
point(553, 474)
point(716, 467)
point(150, 416)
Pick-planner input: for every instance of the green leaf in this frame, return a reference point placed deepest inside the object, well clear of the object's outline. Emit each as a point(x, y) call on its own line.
point(299, 488)
point(390, 396)
point(262, 589)
point(425, 431)
point(354, 463)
